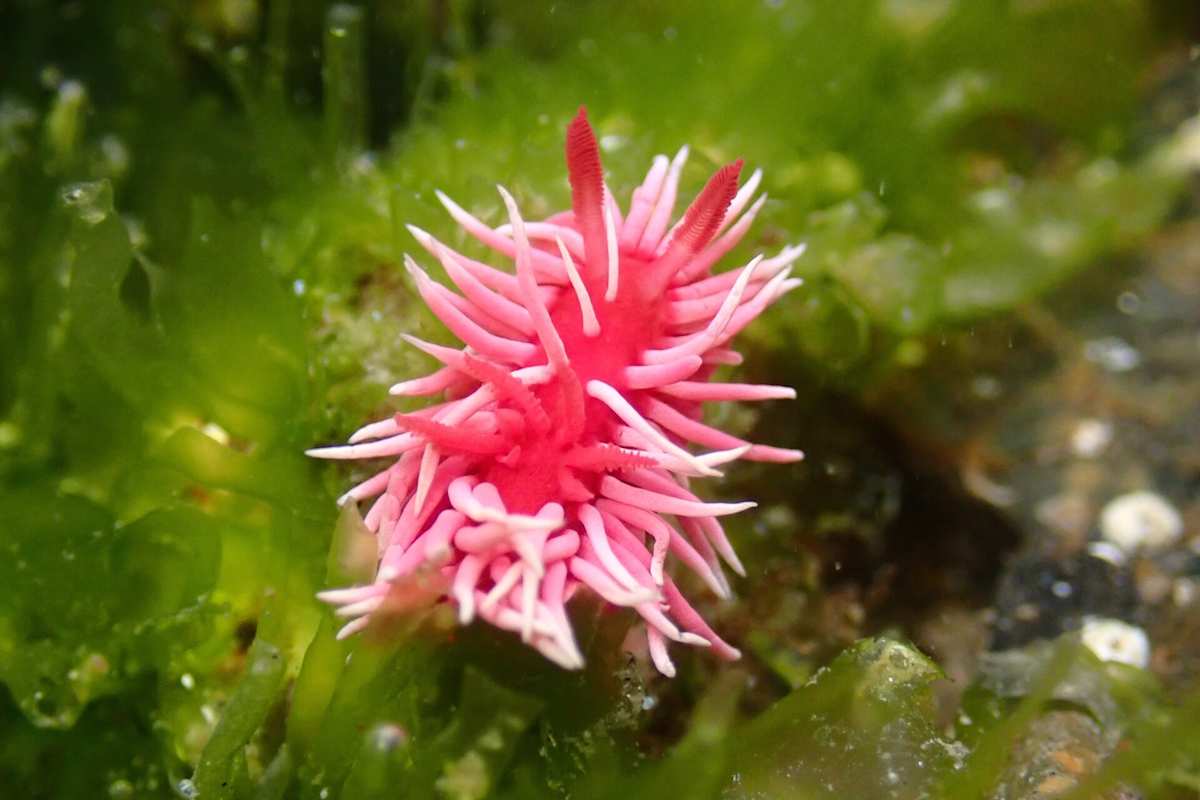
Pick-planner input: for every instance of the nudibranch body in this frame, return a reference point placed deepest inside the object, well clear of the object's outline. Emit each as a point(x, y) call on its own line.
point(561, 456)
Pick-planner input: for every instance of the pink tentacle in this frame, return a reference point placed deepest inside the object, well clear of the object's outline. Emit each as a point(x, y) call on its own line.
point(548, 268)
point(720, 284)
point(498, 281)
point(368, 488)
point(684, 313)
point(471, 333)
point(642, 498)
point(642, 204)
point(440, 381)
point(546, 332)
point(700, 391)
point(693, 431)
point(438, 297)
point(499, 307)
point(664, 206)
point(664, 533)
point(652, 376)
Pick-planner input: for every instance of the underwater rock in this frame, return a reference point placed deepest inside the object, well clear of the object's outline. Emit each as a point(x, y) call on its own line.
point(1041, 597)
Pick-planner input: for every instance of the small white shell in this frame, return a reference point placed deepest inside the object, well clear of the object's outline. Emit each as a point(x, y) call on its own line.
point(1140, 520)
point(1114, 640)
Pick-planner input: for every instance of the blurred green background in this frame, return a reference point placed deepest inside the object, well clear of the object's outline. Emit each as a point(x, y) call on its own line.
point(202, 208)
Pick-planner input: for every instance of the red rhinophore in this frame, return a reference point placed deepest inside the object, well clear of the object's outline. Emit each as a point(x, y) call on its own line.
point(561, 457)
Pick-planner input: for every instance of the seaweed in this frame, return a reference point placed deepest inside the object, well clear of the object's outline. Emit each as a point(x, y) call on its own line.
point(202, 209)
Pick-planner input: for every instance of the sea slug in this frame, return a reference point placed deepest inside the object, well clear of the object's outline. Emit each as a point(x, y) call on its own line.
point(560, 458)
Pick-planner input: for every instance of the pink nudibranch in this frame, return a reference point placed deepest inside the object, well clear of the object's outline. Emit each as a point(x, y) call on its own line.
point(561, 456)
